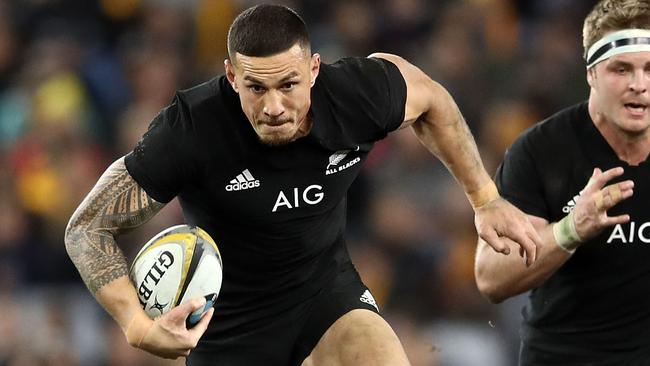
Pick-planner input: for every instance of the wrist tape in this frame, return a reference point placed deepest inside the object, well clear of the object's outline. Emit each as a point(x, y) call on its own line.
point(138, 328)
point(565, 233)
point(483, 195)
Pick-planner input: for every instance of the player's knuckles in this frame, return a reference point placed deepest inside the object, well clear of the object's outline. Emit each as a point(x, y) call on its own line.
point(490, 238)
point(498, 245)
point(515, 233)
point(483, 231)
point(487, 236)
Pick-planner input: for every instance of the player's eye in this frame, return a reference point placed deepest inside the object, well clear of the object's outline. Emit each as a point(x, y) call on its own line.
point(289, 86)
point(257, 89)
point(621, 69)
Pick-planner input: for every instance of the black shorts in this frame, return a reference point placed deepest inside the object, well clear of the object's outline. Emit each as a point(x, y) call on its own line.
point(288, 338)
point(531, 355)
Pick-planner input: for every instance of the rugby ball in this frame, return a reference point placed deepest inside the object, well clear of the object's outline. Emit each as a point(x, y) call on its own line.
point(179, 263)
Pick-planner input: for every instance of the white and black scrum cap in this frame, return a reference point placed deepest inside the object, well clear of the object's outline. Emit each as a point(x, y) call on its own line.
point(615, 43)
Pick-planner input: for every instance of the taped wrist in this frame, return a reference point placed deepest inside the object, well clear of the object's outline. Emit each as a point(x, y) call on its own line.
point(138, 328)
point(485, 194)
point(566, 235)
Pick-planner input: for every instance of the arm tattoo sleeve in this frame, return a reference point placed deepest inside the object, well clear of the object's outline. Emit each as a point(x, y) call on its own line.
point(116, 204)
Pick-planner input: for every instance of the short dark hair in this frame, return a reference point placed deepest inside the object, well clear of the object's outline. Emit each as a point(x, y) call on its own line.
point(613, 15)
point(266, 30)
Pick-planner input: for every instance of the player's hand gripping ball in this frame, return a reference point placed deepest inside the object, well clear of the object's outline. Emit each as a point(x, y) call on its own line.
point(178, 264)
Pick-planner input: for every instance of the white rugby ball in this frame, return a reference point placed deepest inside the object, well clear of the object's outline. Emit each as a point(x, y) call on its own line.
point(179, 263)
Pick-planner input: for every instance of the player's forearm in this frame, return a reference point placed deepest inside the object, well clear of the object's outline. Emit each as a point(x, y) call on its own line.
point(500, 277)
point(104, 270)
point(443, 130)
point(114, 205)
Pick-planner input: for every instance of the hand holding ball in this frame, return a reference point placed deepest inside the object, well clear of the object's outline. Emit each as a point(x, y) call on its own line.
point(178, 264)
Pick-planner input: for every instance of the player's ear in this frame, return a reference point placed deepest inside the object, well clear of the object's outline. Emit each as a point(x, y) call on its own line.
point(230, 74)
point(314, 67)
point(591, 75)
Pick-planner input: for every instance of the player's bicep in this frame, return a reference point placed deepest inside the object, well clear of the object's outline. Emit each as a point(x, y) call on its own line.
point(116, 203)
point(420, 89)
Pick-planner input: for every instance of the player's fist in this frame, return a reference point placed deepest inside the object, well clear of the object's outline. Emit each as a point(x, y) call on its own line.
point(167, 336)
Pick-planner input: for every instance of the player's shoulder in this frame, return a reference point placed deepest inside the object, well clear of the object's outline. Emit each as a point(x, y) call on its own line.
point(357, 62)
point(351, 68)
point(556, 131)
point(197, 102)
point(202, 93)
point(564, 122)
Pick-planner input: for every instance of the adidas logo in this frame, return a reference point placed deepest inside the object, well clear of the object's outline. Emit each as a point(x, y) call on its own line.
point(571, 204)
point(368, 299)
point(243, 181)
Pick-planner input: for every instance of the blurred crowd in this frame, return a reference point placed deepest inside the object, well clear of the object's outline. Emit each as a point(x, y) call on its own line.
point(80, 81)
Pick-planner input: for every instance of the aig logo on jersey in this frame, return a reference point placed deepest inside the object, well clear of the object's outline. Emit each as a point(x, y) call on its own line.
point(311, 195)
point(243, 181)
point(632, 233)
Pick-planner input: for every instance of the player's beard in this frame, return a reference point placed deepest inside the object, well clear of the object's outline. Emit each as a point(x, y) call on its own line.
point(275, 140)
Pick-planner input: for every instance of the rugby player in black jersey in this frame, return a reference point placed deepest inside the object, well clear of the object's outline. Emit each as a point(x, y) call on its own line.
point(583, 178)
point(262, 158)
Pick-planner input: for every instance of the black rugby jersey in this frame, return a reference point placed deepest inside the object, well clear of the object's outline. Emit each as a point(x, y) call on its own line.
point(598, 302)
point(277, 213)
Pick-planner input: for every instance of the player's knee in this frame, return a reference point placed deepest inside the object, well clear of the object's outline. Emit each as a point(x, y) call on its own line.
point(360, 334)
point(370, 342)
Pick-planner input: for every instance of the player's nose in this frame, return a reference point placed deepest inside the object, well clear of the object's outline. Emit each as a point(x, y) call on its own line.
point(639, 82)
point(273, 106)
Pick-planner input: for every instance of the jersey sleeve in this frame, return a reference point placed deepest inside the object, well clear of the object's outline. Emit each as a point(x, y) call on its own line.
point(370, 95)
point(161, 161)
point(519, 180)
point(391, 93)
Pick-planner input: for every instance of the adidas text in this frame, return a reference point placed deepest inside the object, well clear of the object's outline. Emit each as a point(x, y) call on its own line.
point(571, 204)
point(240, 186)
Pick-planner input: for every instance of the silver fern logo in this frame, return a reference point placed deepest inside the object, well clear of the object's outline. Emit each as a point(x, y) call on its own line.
point(337, 157)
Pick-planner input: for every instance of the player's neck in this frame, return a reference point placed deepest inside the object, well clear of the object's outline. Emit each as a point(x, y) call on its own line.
point(632, 148)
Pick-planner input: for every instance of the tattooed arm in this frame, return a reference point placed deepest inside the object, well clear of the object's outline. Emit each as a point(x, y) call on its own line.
point(440, 127)
point(115, 205)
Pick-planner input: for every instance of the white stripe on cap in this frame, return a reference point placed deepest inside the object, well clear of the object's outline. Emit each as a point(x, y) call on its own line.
point(630, 40)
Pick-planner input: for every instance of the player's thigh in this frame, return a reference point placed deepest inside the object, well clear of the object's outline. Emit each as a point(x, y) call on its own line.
point(360, 337)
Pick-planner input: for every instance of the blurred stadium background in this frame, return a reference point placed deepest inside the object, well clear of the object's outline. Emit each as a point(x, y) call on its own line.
point(80, 80)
